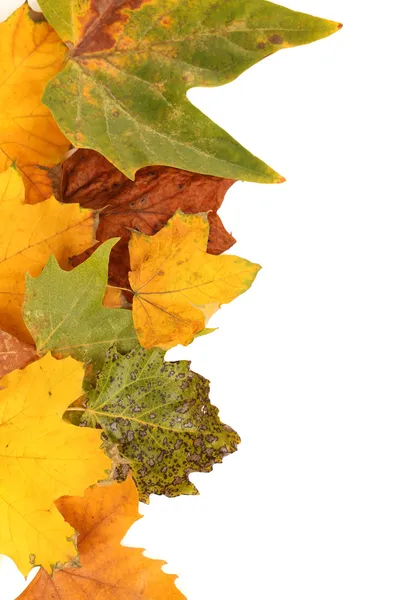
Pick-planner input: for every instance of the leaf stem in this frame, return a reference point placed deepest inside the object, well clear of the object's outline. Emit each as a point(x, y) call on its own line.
point(116, 287)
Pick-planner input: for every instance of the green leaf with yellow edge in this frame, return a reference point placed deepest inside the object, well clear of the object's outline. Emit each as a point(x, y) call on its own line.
point(177, 286)
point(31, 54)
point(64, 311)
point(123, 90)
point(160, 415)
point(42, 458)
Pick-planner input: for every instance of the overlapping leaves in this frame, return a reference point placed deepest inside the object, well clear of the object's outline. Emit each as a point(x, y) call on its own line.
point(145, 204)
point(107, 570)
point(42, 458)
point(29, 235)
point(157, 412)
point(116, 83)
point(123, 90)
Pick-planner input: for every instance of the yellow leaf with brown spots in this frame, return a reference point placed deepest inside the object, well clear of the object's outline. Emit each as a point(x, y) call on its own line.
point(29, 235)
point(42, 457)
point(31, 55)
point(176, 285)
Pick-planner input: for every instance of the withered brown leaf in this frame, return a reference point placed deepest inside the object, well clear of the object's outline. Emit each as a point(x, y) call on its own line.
point(14, 354)
point(145, 204)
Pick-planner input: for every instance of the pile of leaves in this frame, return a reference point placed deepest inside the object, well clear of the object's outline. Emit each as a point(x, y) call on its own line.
point(112, 252)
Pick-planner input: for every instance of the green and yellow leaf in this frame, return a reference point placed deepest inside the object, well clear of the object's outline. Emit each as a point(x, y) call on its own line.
point(123, 90)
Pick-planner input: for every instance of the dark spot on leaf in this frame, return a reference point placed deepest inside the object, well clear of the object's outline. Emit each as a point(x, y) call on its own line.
point(275, 39)
point(35, 16)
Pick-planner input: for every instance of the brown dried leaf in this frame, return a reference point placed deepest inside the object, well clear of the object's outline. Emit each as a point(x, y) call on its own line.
point(14, 354)
point(145, 204)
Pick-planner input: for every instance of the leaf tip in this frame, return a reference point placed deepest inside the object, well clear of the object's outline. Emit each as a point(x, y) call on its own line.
point(334, 26)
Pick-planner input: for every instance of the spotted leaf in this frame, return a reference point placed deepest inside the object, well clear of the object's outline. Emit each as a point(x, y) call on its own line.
point(160, 415)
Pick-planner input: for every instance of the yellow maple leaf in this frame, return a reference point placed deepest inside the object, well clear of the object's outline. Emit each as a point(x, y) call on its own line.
point(31, 54)
point(177, 286)
point(42, 457)
point(29, 235)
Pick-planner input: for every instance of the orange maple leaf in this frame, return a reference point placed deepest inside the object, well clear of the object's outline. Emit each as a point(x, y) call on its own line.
point(109, 570)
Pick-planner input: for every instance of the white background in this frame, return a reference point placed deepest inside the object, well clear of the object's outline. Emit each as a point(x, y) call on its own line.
point(306, 364)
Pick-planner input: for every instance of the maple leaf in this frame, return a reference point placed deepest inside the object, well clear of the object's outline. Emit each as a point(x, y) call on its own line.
point(160, 415)
point(123, 90)
point(145, 204)
point(28, 236)
point(64, 311)
point(14, 354)
point(31, 54)
point(176, 285)
point(109, 570)
point(41, 458)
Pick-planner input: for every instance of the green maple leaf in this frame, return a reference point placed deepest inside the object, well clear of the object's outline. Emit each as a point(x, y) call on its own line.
point(160, 415)
point(123, 90)
point(64, 311)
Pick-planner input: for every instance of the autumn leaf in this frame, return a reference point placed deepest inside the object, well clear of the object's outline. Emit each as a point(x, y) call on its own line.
point(123, 90)
point(28, 236)
point(42, 458)
point(159, 413)
point(109, 571)
point(31, 54)
point(145, 204)
point(64, 311)
point(176, 285)
point(14, 354)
